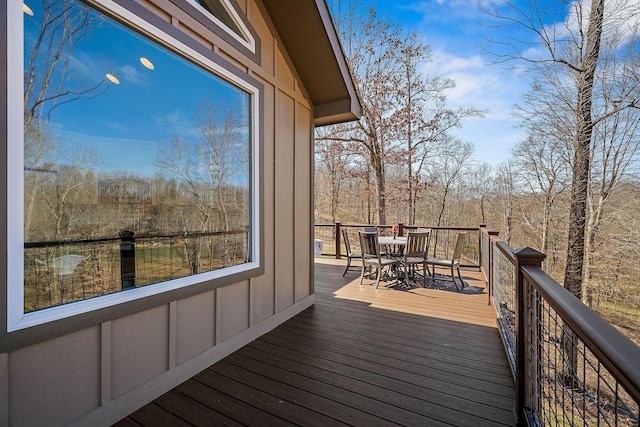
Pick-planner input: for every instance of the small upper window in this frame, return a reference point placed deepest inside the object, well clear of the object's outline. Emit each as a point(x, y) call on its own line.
point(219, 11)
point(228, 18)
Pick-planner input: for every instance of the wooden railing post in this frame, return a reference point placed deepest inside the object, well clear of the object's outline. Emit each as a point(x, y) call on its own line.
point(400, 229)
point(530, 257)
point(490, 233)
point(481, 228)
point(127, 259)
point(338, 240)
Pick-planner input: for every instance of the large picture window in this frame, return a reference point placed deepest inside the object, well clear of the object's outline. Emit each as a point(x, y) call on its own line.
point(139, 162)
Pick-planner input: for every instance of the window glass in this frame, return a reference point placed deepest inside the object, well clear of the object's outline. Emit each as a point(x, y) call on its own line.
point(137, 161)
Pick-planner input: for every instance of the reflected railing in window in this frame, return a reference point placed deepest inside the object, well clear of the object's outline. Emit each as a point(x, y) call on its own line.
point(66, 271)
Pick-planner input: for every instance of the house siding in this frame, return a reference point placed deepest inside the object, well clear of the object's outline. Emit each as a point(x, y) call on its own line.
point(99, 374)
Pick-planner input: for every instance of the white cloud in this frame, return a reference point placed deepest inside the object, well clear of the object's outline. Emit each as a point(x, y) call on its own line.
point(462, 7)
point(479, 85)
point(177, 122)
point(487, 87)
point(130, 74)
point(447, 63)
point(113, 125)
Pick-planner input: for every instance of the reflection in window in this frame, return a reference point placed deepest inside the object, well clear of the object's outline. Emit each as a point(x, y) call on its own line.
point(136, 161)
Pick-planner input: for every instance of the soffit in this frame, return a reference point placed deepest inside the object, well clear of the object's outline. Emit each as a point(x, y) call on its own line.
point(310, 40)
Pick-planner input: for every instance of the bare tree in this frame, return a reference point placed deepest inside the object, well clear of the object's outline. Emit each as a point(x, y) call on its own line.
point(425, 118)
point(505, 189)
point(541, 161)
point(49, 79)
point(571, 43)
point(614, 158)
point(412, 98)
point(445, 175)
point(582, 149)
point(334, 159)
point(480, 183)
point(372, 53)
point(405, 116)
point(57, 191)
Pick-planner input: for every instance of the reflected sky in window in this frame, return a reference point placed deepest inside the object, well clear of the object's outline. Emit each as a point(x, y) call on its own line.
point(143, 96)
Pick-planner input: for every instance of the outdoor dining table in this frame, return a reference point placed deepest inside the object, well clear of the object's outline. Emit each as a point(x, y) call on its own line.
point(394, 243)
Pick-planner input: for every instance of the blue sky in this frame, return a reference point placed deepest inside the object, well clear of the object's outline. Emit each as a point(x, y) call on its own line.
point(452, 29)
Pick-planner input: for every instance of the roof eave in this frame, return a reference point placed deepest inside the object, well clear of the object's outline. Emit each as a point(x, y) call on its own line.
point(311, 41)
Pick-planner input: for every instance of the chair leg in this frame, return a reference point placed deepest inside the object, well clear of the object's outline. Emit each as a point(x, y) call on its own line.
point(362, 273)
point(460, 277)
point(453, 277)
point(348, 265)
point(424, 274)
point(378, 274)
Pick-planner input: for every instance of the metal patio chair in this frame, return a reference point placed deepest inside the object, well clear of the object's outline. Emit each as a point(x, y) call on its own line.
point(415, 254)
point(452, 263)
point(371, 256)
point(350, 255)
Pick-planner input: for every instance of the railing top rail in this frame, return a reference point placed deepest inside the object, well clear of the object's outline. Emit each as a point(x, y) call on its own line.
point(445, 228)
point(615, 351)
point(506, 250)
point(406, 226)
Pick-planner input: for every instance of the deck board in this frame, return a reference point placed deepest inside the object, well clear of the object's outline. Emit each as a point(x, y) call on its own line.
point(359, 356)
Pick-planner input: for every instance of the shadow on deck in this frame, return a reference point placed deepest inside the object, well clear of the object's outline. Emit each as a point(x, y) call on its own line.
point(360, 356)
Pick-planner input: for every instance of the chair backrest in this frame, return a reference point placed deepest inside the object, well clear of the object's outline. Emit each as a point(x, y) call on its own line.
point(369, 245)
point(345, 238)
point(417, 245)
point(461, 242)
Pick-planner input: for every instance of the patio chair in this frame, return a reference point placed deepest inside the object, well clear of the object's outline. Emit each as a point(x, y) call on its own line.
point(371, 256)
point(452, 263)
point(350, 255)
point(374, 229)
point(63, 265)
point(415, 254)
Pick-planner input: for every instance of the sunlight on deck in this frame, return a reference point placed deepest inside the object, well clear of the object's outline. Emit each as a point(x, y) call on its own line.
point(469, 306)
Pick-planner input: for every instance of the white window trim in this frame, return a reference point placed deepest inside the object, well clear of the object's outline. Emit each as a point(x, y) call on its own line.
point(16, 318)
point(246, 39)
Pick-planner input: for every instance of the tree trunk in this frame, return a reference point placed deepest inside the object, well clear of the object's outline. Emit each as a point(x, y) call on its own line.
point(581, 160)
point(382, 197)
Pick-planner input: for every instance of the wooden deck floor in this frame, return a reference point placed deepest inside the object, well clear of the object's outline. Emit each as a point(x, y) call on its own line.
point(360, 356)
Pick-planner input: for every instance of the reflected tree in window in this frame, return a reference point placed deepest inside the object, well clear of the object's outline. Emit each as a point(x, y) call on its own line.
point(53, 77)
point(212, 170)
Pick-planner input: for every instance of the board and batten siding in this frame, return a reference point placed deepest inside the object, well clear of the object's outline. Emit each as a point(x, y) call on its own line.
point(99, 374)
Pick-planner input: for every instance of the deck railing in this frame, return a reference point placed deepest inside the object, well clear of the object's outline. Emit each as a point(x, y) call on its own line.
point(571, 367)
